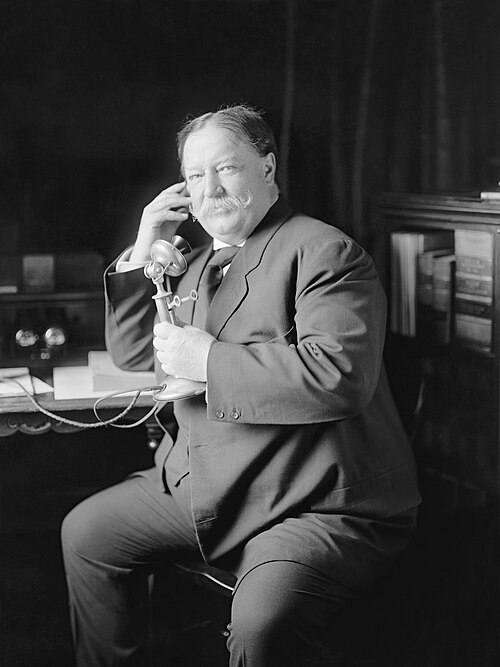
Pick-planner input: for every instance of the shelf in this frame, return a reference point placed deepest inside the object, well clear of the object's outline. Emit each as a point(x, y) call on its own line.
point(51, 297)
point(72, 357)
point(452, 351)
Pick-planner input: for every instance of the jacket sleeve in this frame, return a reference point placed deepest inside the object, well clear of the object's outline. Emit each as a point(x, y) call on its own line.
point(129, 319)
point(332, 370)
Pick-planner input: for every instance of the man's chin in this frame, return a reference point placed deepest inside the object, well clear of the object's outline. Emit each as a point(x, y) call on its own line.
point(216, 218)
point(222, 226)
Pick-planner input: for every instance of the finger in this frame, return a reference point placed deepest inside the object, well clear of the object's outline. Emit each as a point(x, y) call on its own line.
point(162, 357)
point(164, 329)
point(165, 215)
point(176, 187)
point(165, 347)
point(159, 344)
point(170, 202)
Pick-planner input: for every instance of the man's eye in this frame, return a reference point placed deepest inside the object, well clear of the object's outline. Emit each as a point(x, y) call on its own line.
point(226, 168)
point(194, 177)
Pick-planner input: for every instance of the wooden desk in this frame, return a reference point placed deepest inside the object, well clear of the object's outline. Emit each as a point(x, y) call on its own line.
point(43, 477)
point(18, 414)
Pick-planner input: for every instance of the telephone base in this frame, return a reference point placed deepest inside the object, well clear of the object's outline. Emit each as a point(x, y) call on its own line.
point(176, 389)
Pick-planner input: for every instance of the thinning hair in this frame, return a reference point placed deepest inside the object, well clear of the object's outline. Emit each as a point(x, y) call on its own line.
point(242, 120)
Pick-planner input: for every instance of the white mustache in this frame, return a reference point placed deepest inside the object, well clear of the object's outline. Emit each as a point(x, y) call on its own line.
point(222, 204)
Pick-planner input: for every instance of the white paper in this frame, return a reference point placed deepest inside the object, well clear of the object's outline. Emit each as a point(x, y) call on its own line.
point(76, 382)
point(22, 376)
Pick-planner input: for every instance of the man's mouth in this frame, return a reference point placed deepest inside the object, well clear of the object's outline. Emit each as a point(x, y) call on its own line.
point(223, 205)
point(217, 210)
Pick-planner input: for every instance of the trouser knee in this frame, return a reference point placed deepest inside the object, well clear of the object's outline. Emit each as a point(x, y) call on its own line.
point(279, 610)
point(257, 636)
point(73, 530)
point(257, 626)
point(81, 532)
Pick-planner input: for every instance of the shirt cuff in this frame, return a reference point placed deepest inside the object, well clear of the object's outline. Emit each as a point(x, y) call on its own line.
point(123, 263)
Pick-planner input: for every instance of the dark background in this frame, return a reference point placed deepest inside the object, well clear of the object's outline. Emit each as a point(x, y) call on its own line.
point(365, 96)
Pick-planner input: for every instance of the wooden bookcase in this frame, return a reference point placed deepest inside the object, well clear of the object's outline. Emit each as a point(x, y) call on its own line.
point(448, 394)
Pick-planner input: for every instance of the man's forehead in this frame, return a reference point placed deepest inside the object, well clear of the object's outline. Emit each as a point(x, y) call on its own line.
point(214, 142)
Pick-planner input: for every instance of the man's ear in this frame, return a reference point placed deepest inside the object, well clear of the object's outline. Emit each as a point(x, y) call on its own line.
point(270, 168)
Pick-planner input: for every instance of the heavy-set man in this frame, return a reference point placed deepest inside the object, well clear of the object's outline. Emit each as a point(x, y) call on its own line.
point(293, 470)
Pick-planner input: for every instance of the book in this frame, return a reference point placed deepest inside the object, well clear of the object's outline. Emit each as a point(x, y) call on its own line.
point(426, 315)
point(106, 376)
point(8, 289)
point(494, 193)
point(38, 272)
point(425, 269)
point(443, 268)
point(474, 332)
point(472, 304)
point(472, 284)
point(9, 274)
point(406, 248)
point(475, 266)
point(474, 288)
point(473, 243)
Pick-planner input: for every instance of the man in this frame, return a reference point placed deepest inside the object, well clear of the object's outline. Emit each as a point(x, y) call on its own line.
point(293, 470)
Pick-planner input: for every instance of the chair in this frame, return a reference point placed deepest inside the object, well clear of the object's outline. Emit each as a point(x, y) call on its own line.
point(211, 577)
point(192, 629)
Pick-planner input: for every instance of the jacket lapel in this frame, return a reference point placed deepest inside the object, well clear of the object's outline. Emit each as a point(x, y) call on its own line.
point(234, 287)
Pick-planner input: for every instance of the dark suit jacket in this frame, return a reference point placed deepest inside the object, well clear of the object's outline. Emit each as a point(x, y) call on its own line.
point(298, 415)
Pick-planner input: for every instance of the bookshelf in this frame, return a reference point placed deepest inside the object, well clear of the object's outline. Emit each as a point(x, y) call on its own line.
point(447, 386)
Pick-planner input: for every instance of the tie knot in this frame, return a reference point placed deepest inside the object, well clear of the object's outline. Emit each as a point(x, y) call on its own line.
point(223, 256)
point(210, 281)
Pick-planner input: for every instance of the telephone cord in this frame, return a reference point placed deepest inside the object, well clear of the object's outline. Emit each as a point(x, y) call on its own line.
point(102, 422)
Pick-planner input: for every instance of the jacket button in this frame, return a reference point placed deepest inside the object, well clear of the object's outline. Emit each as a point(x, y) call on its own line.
point(315, 350)
point(219, 414)
point(235, 414)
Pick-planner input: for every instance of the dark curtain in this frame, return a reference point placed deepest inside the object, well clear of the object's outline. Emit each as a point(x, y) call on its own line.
point(365, 97)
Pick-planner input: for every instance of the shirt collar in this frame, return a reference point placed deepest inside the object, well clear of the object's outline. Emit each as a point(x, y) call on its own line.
point(217, 245)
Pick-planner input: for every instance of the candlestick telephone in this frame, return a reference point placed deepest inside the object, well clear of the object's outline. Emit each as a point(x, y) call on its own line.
point(168, 260)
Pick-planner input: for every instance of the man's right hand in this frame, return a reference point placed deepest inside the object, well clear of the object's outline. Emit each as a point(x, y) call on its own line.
point(171, 205)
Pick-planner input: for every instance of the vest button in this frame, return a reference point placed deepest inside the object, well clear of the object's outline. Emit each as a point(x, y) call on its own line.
point(235, 414)
point(219, 414)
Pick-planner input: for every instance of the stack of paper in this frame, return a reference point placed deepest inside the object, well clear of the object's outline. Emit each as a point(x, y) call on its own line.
point(32, 385)
point(106, 376)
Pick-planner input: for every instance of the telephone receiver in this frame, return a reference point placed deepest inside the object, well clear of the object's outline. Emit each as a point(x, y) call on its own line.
point(168, 260)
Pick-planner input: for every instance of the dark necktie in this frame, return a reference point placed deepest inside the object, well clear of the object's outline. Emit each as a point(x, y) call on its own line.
point(210, 280)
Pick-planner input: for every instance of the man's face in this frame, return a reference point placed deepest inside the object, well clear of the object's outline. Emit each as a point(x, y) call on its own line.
point(230, 185)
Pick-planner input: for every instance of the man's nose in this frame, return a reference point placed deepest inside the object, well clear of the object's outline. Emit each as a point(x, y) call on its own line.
point(213, 187)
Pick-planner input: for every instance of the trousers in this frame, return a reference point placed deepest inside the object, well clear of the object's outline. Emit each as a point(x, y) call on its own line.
point(280, 610)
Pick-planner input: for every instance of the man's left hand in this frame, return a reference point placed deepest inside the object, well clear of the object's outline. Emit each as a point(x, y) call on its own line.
point(183, 351)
